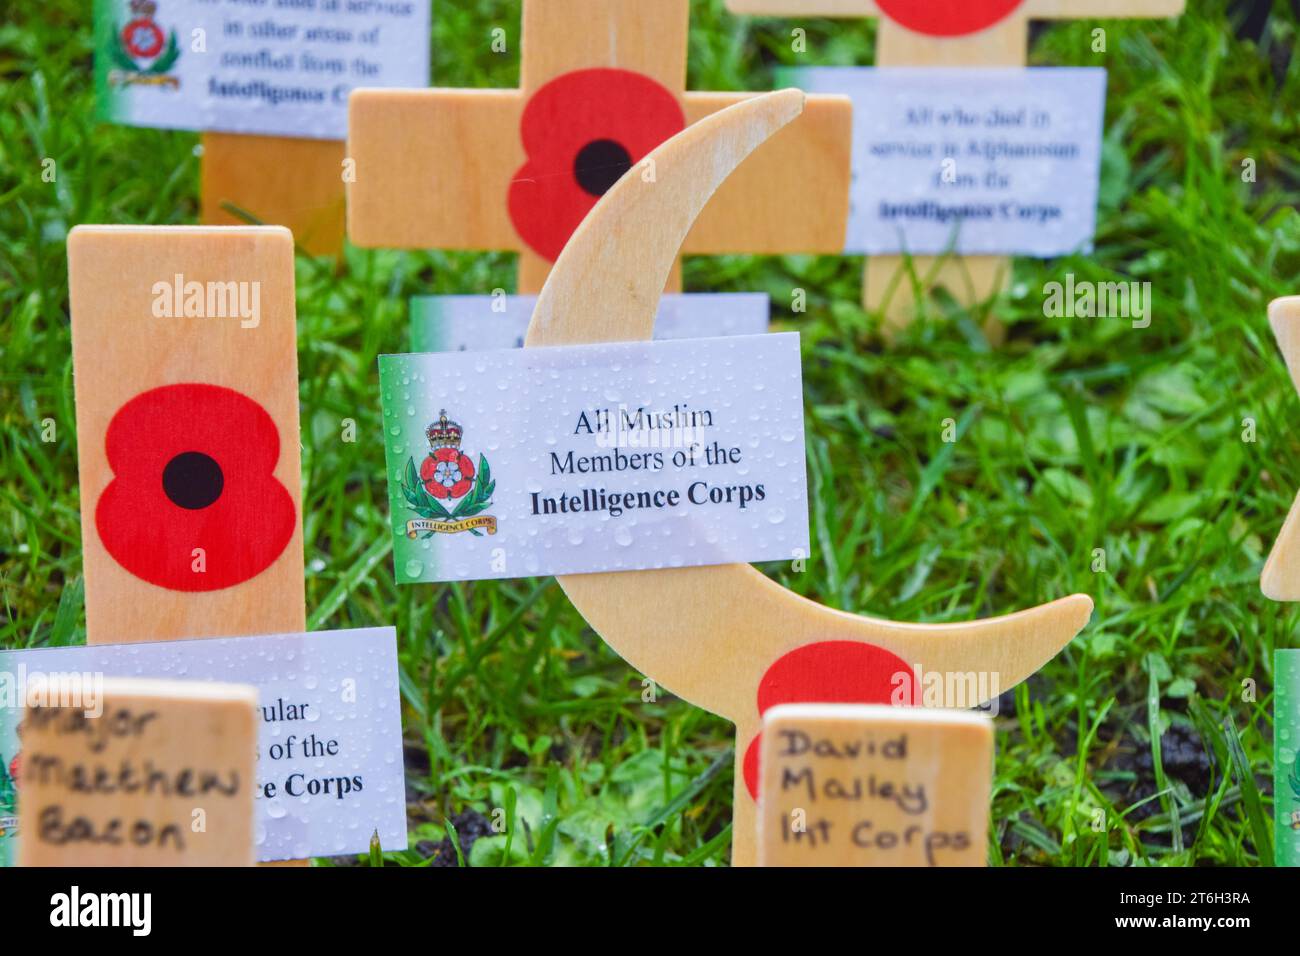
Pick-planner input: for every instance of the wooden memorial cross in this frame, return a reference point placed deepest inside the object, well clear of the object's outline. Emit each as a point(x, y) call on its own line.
point(738, 643)
point(282, 180)
point(602, 83)
point(927, 805)
point(1280, 580)
point(184, 347)
point(960, 33)
point(190, 748)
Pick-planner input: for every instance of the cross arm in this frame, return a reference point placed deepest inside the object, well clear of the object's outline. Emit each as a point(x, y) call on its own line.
point(792, 195)
point(432, 168)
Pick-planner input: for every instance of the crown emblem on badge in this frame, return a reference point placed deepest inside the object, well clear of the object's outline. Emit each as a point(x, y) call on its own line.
point(444, 433)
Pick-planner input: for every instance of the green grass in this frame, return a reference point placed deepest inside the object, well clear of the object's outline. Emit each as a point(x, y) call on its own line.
point(1076, 435)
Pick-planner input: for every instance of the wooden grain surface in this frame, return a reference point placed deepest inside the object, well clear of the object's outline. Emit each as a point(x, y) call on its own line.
point(122, 350)
point(1280, 579)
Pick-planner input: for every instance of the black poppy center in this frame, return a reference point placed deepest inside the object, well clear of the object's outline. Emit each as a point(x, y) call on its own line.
point(193, 480)
point(599, 165)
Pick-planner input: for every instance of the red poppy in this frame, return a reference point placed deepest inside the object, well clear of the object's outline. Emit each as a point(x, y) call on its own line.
point(193, 469)
point(447, 473)
point(947, 18)
point(15, 770)
point(143, 38)
point(828, 672)
point(581, 132)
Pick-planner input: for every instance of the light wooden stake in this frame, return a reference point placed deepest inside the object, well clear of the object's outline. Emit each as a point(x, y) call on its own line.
point(163, 775)
point(440, 168)
point(726, 637)
point(1280, 580)
point(869, 785)
point(184, 349)
point(1001, 39)
point(281, 181)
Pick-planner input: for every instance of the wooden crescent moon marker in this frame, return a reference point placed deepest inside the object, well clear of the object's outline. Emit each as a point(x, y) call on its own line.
point(1280, 580)
point(710, 634)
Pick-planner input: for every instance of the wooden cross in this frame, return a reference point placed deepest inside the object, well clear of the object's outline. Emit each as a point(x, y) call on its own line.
point(740, 644)
point(1280, 579)
point(960, 33)
point(602, 83)
point(285, 181)
point(870, 785)
point(186, 371)
point(188, 750)
point(185, 359)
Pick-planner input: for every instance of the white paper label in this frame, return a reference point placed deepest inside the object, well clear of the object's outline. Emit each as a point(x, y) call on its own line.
point(474, 323)
point(330, 768)
point(612, 457)
point(253, 66)
point(976, 161)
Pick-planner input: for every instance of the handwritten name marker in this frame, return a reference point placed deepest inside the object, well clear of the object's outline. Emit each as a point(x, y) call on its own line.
point(184, 348)
point(602, 84)
point(973, 33)
point(161, 775)
point(867, 785)
point(328, 725)
point(268, 85)
point(592, 458)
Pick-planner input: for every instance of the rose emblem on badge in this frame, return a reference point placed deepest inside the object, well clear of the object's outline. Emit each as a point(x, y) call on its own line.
point(447, 474)
point(143, 37)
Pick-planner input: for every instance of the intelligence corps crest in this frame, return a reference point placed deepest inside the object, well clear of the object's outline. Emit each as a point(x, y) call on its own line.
point(9, 772)
point(448, 491)
point(141, 52)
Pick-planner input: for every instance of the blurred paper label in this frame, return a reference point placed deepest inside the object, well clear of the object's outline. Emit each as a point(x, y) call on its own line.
point(976, 161)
